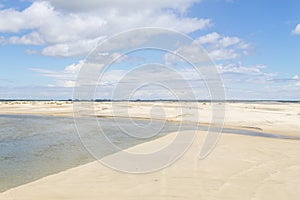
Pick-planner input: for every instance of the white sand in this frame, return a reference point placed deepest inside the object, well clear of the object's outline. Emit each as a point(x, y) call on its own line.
point(240, 167)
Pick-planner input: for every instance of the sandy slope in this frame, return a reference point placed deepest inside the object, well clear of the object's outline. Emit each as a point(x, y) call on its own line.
point(240, 167)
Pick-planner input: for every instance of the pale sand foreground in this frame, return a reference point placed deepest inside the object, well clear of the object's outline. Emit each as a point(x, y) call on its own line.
point(240, 167)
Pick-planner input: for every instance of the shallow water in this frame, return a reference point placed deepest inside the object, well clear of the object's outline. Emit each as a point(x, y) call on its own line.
point(32, 147)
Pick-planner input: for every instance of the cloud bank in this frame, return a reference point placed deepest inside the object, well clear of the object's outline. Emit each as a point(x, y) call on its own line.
point(71, 28)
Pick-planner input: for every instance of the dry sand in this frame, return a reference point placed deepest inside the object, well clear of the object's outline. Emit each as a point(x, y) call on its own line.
point(240, 167)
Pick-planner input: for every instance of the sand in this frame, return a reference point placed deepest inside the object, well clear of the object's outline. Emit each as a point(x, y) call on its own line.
point(240, 167)
point(281, 118)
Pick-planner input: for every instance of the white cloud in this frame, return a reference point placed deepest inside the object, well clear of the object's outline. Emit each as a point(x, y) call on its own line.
point(123, 5)
point(32, 17)
point(239, 68)
point(297, 30)
point(223, 47)
point(250, 82)
point(33, 38)
point(216, 46)
point(253, 82)
point(223, 54)
point(125, 79)
point(69, 83)
point(296, 77)
point(229, 41)
point(210, 38)
point(297, 80)
point(71, 49)
point(239, 75)
point(70, 28)
point(64, 78)
point(74, 68)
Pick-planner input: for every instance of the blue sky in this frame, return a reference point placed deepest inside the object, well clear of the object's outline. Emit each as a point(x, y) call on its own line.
point(254, 44)
point(266, 25)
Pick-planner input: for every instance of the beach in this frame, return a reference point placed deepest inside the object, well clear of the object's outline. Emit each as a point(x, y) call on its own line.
point(239, 167)
point(149, 100)
point(273, 117)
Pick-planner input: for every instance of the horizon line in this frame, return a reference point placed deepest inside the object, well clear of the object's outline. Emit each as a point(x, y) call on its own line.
point(157, 100)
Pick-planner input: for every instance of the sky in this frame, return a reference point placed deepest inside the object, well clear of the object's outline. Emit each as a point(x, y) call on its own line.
point(254, 44)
